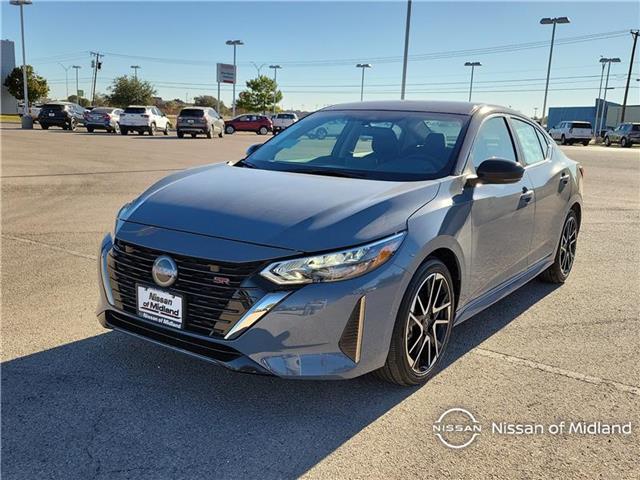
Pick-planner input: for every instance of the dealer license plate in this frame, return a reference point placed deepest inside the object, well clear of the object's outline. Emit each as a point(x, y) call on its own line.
point(160, 306)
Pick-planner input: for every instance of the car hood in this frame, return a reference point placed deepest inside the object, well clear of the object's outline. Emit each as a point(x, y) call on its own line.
point(299, 212)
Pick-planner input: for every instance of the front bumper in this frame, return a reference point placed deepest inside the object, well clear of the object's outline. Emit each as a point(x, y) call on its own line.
point(300, 337)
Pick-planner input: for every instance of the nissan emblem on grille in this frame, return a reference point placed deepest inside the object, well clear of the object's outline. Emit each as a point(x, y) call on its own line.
point(164, 271)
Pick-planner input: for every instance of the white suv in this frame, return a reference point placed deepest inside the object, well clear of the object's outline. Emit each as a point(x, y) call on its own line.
point(572, 132)
point(143, 119)
point(283, 120)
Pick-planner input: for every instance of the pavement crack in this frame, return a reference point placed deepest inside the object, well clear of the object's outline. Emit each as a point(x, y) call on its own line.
point(50, 247)
point(622, 387)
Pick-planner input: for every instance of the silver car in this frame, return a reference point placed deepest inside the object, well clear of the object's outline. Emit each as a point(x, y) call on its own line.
point(103, 118)
point(199, 120)
point(358, 252)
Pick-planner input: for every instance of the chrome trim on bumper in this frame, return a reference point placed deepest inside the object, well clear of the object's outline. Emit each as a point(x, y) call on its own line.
point(104, 271)
point(255, 313)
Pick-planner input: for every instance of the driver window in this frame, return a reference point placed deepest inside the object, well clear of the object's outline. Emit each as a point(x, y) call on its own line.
point(493, 141)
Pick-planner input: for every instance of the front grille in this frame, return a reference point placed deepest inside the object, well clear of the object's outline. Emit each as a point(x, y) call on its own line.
point(216, 294)
point(174, 338)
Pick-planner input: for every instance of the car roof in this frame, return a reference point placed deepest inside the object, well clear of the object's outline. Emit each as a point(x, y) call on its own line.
point(139, 106)
point(434, 106)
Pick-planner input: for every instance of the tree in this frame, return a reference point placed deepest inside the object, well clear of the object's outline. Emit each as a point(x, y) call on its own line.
point(210, 101)
point(259, 96)
point(127, 90)
point(83, 102)
point(36, 84)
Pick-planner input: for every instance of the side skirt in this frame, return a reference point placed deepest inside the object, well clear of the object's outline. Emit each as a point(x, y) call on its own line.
point(498, 293)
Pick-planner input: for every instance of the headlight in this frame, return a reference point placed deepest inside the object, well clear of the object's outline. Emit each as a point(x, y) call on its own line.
point(331, 267)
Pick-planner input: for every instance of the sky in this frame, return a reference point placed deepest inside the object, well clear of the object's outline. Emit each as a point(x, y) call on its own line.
point(177, 45)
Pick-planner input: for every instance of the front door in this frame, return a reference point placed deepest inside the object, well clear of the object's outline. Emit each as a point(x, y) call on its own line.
point(502, 215)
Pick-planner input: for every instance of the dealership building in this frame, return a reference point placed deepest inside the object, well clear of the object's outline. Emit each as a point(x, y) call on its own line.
point(612, 114)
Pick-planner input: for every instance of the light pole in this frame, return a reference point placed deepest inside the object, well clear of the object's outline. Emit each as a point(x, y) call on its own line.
point(550, 21)
point(275, 84)
point(535, 113)
point(235, 43)
point(362, 66)
point(76, 68)
point(66, 77)
point(608, 61)
point(473, 65)
point(135, 70)
point(27, 121)
point(406, 50)
point(595, 120)
point(258, 67)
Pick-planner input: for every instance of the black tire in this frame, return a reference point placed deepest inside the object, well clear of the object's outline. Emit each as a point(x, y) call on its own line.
point(624, 143)
point(90, 129)
point(73, 124)
point(44, 127)
point(166, 129)
point(140, 132)
point(210, 132)
point(563, 140)
point(116, 128)
point(180, 134)
point(556, 273)
point(229, 129)
point(221, 134)
point(397, 369)
point(123, 131)
point(320, 134)
point(193, 135)
point(152, 129)
point(263, 131)
point(586, 143)
point(607, 141)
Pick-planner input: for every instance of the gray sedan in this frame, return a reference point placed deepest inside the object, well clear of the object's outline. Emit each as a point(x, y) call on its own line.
point(352, 253)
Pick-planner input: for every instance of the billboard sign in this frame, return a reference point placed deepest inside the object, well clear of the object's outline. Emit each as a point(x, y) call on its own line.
point(226, 73)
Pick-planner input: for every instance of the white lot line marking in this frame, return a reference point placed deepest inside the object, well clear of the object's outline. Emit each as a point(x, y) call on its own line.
point(50, 247)
point(557, 371)
point(479, 351)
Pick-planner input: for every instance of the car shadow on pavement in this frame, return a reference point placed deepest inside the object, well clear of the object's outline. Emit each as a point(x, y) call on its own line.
point(118, 407)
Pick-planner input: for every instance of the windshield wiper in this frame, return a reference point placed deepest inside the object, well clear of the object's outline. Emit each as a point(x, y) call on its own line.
point(245, 163)
point(328, 172)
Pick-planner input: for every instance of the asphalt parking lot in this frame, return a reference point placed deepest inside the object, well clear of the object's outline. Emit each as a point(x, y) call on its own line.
point(82, 402)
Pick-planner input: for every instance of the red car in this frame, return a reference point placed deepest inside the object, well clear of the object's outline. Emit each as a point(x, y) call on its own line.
point(249, 123)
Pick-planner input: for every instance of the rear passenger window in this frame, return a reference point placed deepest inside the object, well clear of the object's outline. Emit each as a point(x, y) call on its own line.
point(493, 141)
point(529, 141)
point(543, 142)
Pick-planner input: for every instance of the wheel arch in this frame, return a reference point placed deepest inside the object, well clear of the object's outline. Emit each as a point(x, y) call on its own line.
point(450, 259)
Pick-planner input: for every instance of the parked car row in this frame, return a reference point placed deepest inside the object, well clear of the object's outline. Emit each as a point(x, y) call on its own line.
point(626, 134)
point(149, 119)
point(569, 132)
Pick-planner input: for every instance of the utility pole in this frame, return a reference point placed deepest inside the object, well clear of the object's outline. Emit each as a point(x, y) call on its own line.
point(473, 65)
point(550, 21)
point(275, 84)
point(76, 68)
point(634, 34)
point(97, 65)
point(406, 51)
point(135, 71)
point(604, 109)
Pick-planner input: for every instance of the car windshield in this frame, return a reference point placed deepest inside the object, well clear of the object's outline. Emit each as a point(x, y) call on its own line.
point(192, 112)
point(135, 110)
point(378, 145)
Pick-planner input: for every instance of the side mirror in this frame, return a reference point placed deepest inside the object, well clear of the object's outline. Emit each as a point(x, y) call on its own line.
point(498, 171)
point(253, 148)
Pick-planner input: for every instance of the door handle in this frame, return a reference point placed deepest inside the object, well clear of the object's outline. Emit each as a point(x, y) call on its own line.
point(564, 178)
point(527, 194)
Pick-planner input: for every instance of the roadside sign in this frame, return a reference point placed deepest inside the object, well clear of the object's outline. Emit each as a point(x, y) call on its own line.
point(226, 73)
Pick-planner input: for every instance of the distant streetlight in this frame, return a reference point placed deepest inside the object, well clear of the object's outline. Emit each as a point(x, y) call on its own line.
point(473, 65)
point(234, 43)
point(76, 68)
point(27, 121)
point(258, 67)
point(550, 21)
point(363, 66)
point(406, 51)
point(135, 70)
point(275, 84)
point(66, 77)
point(608, 61)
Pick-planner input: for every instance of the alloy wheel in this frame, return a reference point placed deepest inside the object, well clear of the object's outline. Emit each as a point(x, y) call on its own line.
point(430, 318)
point(568, 245)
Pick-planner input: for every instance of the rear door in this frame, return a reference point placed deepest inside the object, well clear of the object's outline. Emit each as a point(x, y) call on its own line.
point(551, 186)
point(502, 215)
